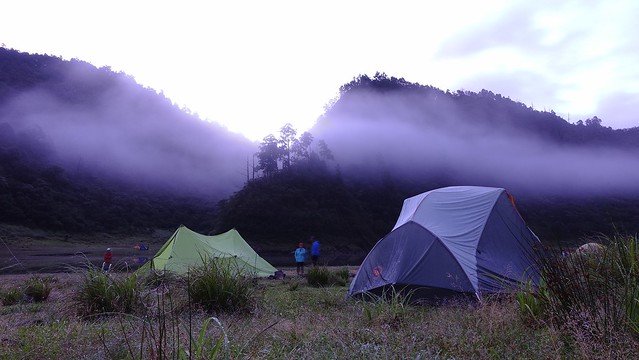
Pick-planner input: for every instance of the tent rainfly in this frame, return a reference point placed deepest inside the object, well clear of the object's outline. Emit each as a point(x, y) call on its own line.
point(186, 249)
point(458, 240)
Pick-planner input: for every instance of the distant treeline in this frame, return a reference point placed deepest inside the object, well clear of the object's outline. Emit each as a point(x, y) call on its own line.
point(495, 111)
point(37, 194)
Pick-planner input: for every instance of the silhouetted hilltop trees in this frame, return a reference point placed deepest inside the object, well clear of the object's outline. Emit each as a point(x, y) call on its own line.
point(418, 133)
point(306, 199)
point(73, 81)
point(429, 105)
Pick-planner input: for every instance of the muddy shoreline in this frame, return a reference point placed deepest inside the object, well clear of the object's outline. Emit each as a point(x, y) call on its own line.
point(24, 250)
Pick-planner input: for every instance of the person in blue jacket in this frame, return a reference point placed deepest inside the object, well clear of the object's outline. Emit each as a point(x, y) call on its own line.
point(315, 250)
point(300, 257)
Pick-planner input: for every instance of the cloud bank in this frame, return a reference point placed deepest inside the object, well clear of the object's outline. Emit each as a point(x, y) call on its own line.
point(129, 136)
point(376, 135)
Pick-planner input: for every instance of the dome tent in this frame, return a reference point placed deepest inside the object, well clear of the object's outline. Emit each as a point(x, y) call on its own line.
point(459, 240)
point(186, 249)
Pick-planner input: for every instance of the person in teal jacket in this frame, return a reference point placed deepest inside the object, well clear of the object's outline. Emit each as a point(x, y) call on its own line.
point(300, 257)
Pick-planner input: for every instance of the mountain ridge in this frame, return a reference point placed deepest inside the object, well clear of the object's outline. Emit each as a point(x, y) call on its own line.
point(418, 131)
point(109, 125)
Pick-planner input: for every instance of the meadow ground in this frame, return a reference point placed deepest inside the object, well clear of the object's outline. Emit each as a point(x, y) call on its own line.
point(287, 319)
point(282, 319)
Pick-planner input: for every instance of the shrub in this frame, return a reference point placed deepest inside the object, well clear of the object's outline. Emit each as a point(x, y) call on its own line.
point(594, 295)
point(343, 273)
point(322, 276)
point(293, 285)
point(390, 308)
point(532, 301)
point(10, 296)
point(94, 295)
point(218, 286)
point(340, 277)
point(100, 292)
point(318, 276)
point(37, 288)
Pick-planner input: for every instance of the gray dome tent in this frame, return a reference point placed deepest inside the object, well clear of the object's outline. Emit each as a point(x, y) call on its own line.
point(459, 240)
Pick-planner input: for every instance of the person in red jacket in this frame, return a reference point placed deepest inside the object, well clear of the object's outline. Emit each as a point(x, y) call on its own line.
point(108, 257)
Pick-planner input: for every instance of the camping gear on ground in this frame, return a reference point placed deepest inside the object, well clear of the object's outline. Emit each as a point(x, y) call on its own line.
point(279, 275)
point(140, 259)
point(452, 241)
point(186, 249)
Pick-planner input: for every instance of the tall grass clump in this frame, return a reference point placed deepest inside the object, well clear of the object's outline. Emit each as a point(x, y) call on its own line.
point(318, 276)
point(321, 276)
point(343, 274)
point(219, 286)
point(592, 293)
point(37, 288)
point(100, 292)
point(168, 338)
point(164, 331)
point(10, 296)
point(532, 300)
point(389, 308)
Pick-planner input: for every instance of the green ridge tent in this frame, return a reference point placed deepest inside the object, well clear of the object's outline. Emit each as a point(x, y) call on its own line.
point(187, 248)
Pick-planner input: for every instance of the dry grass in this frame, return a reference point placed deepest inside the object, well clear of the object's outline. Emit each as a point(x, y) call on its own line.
point(290, 319)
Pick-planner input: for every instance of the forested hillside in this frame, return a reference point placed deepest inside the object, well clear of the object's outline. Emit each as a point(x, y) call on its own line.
point(85, 149)
point(390, 139)
point(386, 98)
point(570, 180)
point(416, 132)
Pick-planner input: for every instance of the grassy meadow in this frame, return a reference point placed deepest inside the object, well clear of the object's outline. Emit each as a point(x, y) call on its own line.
point(287, 319)
point(586, 307)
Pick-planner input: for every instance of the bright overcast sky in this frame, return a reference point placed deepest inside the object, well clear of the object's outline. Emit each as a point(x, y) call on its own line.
point(255, 65)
